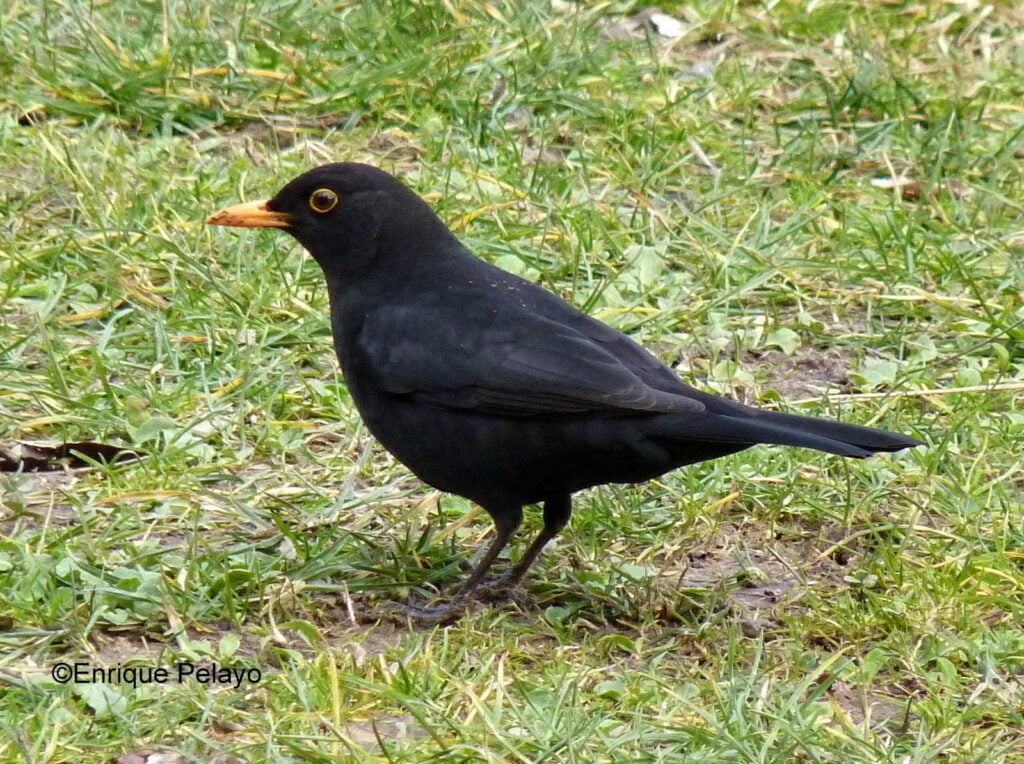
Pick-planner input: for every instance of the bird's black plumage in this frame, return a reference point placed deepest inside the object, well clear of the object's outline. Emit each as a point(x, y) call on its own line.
point(490, 387)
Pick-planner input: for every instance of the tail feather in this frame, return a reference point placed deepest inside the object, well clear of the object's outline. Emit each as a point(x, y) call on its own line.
point(868, 438)
point(792, 430)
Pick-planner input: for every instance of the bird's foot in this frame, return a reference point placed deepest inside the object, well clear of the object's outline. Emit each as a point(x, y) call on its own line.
point(503, 588)
point(446, 612)
point(494, 585)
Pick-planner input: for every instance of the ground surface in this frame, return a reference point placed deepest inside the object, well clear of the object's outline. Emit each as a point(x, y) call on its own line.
point(816, 206)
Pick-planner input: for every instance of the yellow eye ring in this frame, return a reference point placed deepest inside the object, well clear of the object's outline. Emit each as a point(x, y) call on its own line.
point(323, 200)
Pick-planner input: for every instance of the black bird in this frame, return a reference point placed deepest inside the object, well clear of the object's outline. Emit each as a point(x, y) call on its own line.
point(490, 387)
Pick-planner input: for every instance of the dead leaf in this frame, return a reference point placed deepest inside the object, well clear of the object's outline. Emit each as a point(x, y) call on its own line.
point(546, 155)
point(762, 595)
point(85, 315)
point(151, 757)
point(912, 190)
point(142, 291)
point(907, 188)
point(44, 457)
point(652, 20)
point(665, 25)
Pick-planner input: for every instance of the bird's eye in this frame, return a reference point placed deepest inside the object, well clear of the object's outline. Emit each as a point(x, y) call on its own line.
point(323, 200)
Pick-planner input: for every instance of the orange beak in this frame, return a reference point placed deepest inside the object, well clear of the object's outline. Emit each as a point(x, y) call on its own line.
point(250, 215)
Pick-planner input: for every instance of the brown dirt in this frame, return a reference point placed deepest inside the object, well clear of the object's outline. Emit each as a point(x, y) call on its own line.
point(760, 573)
point(805, 374)
point(866, 706)
point(37, 497)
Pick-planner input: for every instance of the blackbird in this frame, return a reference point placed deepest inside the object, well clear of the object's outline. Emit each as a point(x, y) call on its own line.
point(488, 386)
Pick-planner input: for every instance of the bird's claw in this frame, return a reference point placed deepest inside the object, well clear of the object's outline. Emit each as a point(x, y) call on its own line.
point(444, 613)
point(503, 588)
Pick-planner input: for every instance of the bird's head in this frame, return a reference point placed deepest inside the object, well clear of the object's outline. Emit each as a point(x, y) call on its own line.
point(353, 218)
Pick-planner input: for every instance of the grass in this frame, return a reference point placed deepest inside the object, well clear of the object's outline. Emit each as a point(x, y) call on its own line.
point(798, 205)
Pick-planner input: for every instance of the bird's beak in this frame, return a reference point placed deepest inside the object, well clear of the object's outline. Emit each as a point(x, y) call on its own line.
point(250, 215)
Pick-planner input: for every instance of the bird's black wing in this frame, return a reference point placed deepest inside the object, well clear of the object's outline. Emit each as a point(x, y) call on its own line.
point(632, 355)
point(507, 363)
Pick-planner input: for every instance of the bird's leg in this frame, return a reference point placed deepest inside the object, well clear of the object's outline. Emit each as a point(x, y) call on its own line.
point(557, 510)
point(506, 521)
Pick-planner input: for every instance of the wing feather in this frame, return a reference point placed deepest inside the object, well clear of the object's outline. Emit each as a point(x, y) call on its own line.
point(512, 365)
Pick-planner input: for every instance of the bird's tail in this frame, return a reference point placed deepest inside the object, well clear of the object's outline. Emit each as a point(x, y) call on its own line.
point(751, 426)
